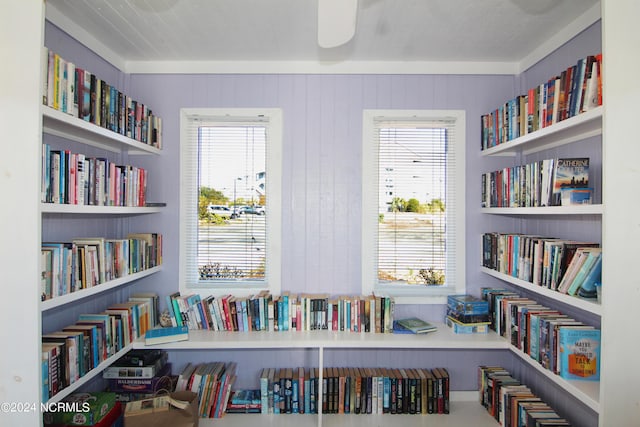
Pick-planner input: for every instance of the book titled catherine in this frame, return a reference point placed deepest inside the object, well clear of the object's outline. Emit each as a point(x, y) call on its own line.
point(579, 353)
point(166, 335)
point(569, 173)
point(416, 325)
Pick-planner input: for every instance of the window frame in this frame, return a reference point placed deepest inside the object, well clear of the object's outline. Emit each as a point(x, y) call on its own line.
point(410, 294)
point(272, 118)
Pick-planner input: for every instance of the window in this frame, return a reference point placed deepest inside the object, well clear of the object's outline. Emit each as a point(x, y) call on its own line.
point(413, 204)
point(230, 200)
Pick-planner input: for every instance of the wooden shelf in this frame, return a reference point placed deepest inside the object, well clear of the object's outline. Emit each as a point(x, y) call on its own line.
point(57, 123)
point(103, 287)
point(581, 303)
point(573, 129)
point(595, 209)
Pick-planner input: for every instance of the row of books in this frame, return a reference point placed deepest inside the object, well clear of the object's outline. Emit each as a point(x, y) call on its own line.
point(543, 261)
point(354, 390)
point(76, 179)
point(577, 89)
point(541, 183)
point(71, 352)
point(212, 382)
point(559, 343)
point(82, 94)
point(267, 312)
point(512, 403)
point(87, 262)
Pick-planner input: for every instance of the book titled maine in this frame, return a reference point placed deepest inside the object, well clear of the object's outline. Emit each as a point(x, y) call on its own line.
point(579, 353)
point(569, 173)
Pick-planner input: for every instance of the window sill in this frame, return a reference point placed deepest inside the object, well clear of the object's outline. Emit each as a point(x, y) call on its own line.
point(411, 294)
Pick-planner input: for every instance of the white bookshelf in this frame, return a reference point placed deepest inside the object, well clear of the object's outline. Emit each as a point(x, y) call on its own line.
point(587, 392)
point(463, 413)
point(89, 375)
point(595, 209)
point(58, 208)
point(573, 129)
point(587, 305)
point(69, 127)
point(442, 338)
point(95, 290)
point(72, 128)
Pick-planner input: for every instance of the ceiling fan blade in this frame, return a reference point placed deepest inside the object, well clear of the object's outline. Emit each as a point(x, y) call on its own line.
point(336, 22)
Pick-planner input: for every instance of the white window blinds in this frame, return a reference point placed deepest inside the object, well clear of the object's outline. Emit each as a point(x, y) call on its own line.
point(415, 189)
point(226, 200)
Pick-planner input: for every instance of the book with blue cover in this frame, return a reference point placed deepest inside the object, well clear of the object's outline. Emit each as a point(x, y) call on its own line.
point(166, 335)
point(579, 353)
point(413, 325)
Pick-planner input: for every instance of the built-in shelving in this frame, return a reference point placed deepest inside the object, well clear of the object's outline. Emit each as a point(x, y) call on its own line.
point(587, 305)
point(576, 128)
point(587, 392)
point(67, 126)
point(463, 413)
point(89, 375)
point(442, 338)
point(103, 287)
point(97, 210)
point(595, 209)
point(71, 128)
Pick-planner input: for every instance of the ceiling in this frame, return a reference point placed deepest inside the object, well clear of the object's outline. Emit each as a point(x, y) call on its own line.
point(183, 35)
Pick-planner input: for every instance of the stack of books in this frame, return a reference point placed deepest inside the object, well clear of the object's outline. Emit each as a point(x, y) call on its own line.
point(467, 314)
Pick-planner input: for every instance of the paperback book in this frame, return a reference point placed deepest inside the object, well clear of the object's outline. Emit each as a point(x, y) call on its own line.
point(166, 335)
point(579, 353)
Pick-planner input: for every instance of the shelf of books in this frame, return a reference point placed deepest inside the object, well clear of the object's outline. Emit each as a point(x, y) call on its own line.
point(61, 124)
point(442, 338)
point(573, 129)
point(89, 375)
point(94, 290)
point(587, 392)
point(594, 209)
point(588, 305)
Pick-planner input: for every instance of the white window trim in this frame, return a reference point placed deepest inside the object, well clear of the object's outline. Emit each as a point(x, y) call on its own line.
point(188, 213)
point(409, 294)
